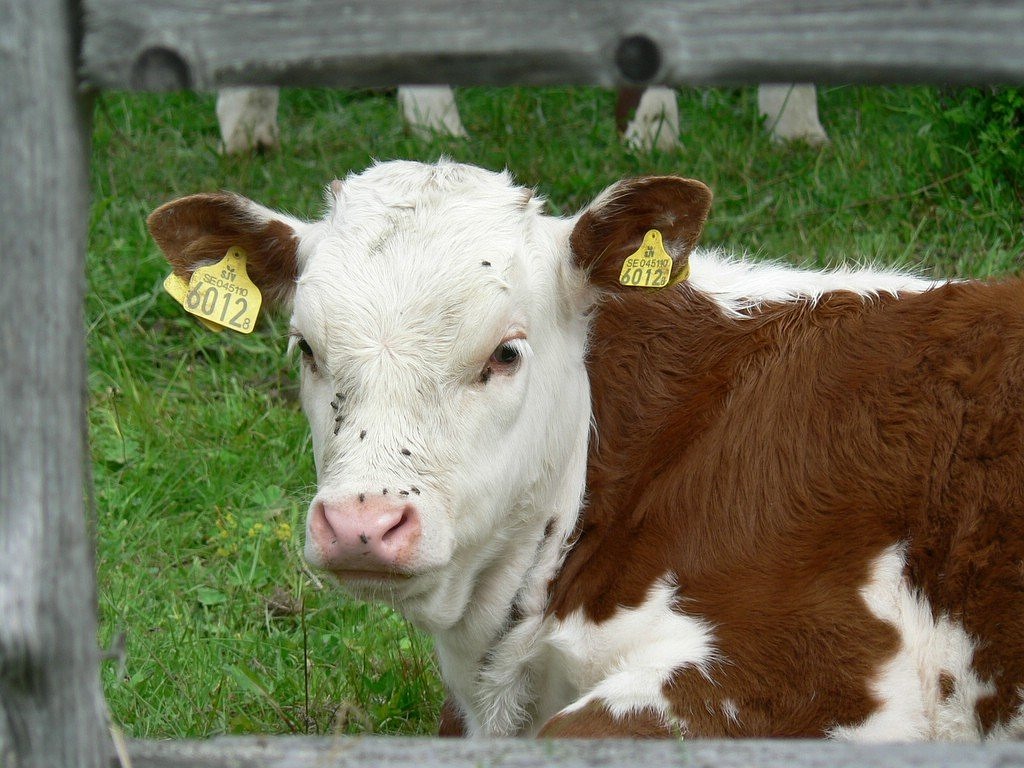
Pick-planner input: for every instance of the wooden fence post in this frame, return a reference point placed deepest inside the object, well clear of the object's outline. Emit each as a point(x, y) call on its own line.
point(51, 706)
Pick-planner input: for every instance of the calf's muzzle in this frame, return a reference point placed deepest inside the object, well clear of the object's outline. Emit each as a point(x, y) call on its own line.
point(364, 533)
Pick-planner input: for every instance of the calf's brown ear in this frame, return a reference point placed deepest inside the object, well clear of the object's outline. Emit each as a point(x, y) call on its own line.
point(614, 226)
point(197, 230)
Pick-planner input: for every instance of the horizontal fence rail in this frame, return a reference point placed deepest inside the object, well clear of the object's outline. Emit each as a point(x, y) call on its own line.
point(381, 752)
point(178, 44)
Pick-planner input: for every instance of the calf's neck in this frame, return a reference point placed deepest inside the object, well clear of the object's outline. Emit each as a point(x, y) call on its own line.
point(758, 501)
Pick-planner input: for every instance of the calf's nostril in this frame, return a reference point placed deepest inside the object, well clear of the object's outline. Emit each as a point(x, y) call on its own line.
point(320, 521)
point(396, 529)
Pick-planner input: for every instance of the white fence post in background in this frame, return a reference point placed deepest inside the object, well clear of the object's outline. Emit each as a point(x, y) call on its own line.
point(790, 113)
point(51, 706)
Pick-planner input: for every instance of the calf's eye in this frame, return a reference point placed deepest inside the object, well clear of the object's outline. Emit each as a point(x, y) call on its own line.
point(504, 359)
point(505, 354)
point(307, 353)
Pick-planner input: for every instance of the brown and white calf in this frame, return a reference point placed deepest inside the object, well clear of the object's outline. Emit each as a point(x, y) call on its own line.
point(760, 502)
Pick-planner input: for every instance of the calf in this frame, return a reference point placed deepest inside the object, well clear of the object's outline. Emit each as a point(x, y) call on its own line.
point(757, 501)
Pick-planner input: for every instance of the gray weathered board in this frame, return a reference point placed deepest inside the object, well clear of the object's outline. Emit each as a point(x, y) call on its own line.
point(379, 752)
point(51, 705)
point(169, 44)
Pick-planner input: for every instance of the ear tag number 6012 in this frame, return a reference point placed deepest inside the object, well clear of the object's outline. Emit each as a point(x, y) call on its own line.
point(650, 266)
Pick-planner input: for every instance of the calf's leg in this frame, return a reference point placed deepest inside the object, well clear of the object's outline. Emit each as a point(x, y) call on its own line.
point(791, 113)
point(247, 118)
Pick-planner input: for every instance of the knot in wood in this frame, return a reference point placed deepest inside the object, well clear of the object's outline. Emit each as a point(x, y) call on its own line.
point(638, 58)
point(161, 69)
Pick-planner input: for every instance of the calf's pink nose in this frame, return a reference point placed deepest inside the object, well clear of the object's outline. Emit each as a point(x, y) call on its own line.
point(364, 533)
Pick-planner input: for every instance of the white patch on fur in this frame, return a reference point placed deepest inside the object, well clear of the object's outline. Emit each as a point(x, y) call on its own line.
point(739, 285)
point(625, 661)
point(500, 698)
point(731, 711)
point(907, 686)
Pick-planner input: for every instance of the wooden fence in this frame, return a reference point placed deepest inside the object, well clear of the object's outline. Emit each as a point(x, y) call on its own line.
point(54, 52)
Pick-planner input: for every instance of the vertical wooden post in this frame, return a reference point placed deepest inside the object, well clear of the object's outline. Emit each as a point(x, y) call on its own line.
point(51, 705)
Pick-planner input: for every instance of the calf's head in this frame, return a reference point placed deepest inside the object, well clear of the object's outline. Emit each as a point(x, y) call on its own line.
point(441, 319)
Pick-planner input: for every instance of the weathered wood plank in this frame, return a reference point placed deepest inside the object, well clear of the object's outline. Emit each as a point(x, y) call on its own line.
point(167, 44)
point(51, 707)
point(359, 752)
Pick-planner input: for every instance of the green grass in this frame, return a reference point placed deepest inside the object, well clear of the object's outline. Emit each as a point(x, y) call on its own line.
point(201, 460)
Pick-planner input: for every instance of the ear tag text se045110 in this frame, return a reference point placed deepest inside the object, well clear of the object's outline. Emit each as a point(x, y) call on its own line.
point(650, 266)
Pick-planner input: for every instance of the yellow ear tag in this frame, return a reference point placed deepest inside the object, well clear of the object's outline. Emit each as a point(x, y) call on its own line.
point(223, 293)
point(177, 287)
point(650, 266)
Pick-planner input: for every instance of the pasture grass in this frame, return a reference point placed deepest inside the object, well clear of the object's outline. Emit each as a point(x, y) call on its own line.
point(201, 460)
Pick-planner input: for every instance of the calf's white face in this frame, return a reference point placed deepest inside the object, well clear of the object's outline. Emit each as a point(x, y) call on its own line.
point(441, 319)
point(442, 375)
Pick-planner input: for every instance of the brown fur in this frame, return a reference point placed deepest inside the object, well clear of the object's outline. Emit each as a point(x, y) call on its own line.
point(452, 723)
point(626, 102)
point(767, 462)
point(199, 229)
point(947, 685)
